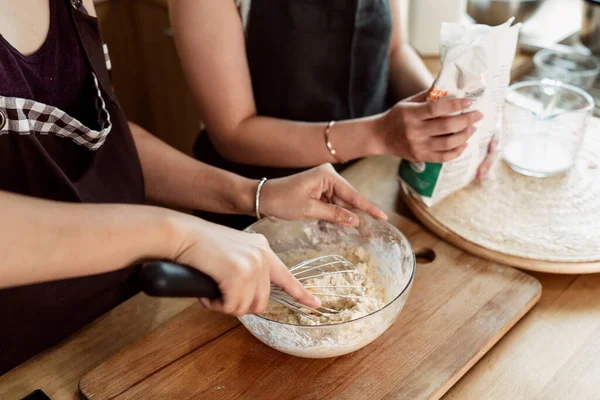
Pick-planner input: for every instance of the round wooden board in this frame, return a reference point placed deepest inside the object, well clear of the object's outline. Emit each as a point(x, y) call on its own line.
point(422, 213)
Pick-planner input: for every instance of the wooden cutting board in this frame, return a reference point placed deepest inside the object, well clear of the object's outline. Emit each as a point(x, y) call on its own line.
point(459, 307)
point(553, 267)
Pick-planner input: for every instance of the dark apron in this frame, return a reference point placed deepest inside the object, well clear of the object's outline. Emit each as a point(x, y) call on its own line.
point(38, 316)
point(314, 61)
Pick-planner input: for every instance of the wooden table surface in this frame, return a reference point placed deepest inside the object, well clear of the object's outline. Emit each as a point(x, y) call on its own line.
point(553, 352)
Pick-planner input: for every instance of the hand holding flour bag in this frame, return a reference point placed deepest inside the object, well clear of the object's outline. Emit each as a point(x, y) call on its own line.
point(476, 64)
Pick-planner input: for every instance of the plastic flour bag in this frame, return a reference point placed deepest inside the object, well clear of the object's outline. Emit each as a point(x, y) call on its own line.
point(476, 64)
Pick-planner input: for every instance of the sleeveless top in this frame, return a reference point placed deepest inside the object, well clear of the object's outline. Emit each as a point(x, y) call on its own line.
point(64, 137)
point(22, 77)
point(314, 61)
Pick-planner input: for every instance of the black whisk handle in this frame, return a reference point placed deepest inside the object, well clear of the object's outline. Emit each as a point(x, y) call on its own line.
point(166, 279)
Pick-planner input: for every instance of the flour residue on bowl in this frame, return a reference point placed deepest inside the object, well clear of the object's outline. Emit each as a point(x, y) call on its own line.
point(365, 295)
point(385, 252)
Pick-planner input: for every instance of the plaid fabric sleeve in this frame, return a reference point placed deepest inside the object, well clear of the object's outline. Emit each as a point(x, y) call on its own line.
point(27, 117)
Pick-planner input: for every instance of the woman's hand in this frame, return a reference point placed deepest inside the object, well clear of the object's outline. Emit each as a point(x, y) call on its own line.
point(417, 130)
point(319, 193)
point(490, 159)
point(242, 264)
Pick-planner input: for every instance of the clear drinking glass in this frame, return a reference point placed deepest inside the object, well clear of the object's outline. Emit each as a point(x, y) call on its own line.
point(544, 125)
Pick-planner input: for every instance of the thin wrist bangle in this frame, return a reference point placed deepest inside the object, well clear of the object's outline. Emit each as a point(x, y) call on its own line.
point(328, 142)
point(257, 200)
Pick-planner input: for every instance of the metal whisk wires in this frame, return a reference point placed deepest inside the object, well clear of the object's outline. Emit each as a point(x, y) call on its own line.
point(323, 266)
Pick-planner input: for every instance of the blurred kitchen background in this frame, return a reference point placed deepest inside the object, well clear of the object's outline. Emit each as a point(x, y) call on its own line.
point(555, 43)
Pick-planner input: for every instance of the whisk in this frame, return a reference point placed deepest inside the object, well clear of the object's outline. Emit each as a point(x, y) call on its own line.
point(314, 268)
point(166, 279)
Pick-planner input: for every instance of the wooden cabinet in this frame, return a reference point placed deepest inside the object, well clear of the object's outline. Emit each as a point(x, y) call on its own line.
point(118, 32)
point(147, 76)
point(174, 114)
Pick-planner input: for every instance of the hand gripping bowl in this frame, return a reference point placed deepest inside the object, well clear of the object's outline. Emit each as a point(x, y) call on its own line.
point(395, 261)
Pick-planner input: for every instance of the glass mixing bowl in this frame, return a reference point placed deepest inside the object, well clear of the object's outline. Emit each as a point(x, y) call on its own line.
point(389, 250)
point(496, 12)
point(573, 68)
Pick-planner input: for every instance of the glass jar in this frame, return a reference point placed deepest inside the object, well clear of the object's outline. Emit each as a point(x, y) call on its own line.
point(544, 125)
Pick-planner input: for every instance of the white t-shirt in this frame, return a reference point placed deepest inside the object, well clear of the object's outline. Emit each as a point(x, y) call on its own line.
point(244, 9)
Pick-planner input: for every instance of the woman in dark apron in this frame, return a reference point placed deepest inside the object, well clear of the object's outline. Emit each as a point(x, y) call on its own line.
point(285, 85)
point(64, 137)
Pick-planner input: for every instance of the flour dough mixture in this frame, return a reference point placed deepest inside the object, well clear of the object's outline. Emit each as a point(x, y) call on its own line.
point(373, 294)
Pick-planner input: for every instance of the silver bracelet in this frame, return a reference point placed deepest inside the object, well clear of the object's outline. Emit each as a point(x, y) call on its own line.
point(257, 202)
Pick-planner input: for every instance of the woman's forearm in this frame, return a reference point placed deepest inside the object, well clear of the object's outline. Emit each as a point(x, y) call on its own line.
point(408, 73)
point(43, 240)
point(298, 144)
point(177, 180)
point(210, 41)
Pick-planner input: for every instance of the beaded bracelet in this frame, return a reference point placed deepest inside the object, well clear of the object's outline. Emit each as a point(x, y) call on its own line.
point(328, 142)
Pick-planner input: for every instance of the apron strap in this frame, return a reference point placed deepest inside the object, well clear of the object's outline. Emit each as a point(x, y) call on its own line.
point(78, 5)
point(88, 33)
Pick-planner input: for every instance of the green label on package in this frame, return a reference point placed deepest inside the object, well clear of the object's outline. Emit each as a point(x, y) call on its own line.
point(421, 177)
